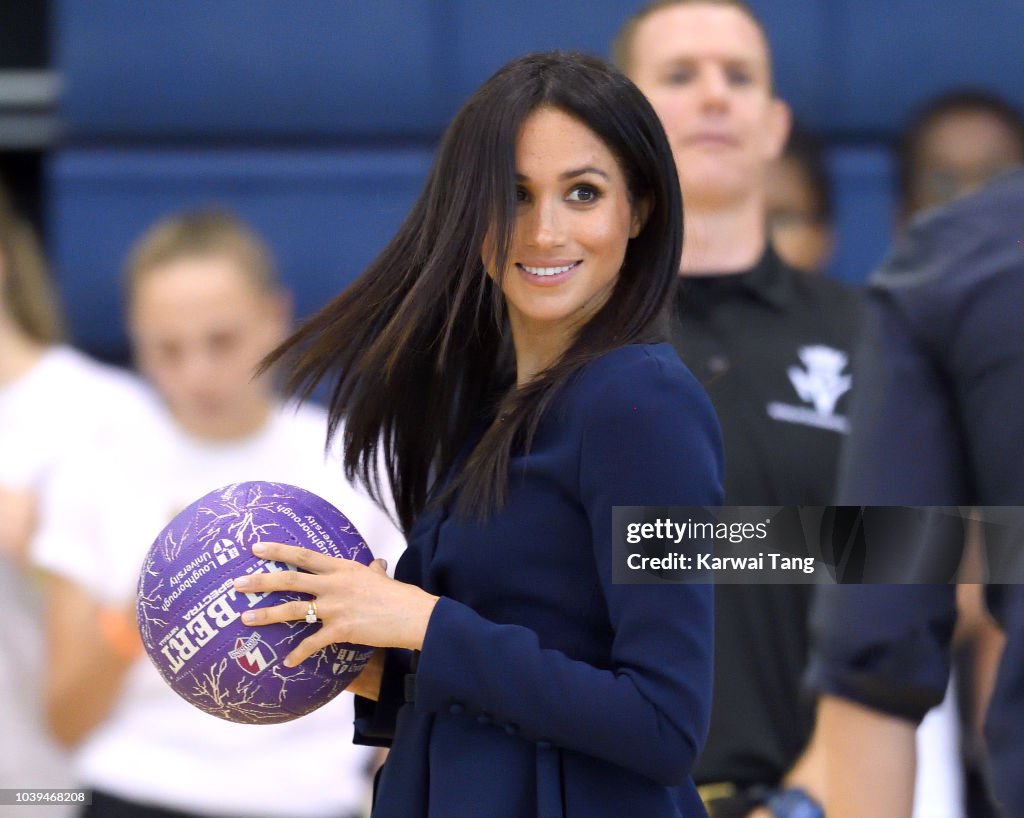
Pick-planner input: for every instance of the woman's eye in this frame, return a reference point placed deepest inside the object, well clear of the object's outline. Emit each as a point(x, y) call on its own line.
point(521, 196)
point(583, 193)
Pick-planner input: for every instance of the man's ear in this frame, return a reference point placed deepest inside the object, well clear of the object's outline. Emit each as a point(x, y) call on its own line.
point(641, 210)
point(780, 121)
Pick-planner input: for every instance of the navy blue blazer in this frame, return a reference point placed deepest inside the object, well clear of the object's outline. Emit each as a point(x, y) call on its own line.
point(543, 689)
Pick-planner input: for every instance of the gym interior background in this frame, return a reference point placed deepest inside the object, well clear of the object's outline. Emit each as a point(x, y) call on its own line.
point(316, 120)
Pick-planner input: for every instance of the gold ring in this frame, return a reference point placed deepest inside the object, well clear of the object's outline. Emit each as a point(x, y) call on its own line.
point(311, 616)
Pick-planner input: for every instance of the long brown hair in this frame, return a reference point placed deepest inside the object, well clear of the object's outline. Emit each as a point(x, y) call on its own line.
point(27, 292)
point(417, 352)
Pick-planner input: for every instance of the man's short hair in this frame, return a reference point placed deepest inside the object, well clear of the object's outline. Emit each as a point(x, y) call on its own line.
point(622, 44)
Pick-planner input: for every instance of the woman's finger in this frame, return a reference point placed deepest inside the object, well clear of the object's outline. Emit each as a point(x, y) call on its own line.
point(285, 612)
point(306, 648)
point(304, 558)
point(380, 566)
point(266, 581)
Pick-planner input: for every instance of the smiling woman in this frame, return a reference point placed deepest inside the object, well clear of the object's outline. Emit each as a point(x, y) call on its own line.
point(507, 352)
point(573, 223)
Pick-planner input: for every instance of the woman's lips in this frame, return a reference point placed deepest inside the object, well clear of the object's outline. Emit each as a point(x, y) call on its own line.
point(548, 272)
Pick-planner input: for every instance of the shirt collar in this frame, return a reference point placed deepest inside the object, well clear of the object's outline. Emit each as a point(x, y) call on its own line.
point(766, 281)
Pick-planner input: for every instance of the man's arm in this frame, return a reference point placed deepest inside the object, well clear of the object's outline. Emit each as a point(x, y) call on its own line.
point(869, 760)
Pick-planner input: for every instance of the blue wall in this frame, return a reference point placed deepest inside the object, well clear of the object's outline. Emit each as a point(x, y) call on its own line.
point(316, 119)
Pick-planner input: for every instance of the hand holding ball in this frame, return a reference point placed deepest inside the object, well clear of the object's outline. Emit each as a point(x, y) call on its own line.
point(190, 615)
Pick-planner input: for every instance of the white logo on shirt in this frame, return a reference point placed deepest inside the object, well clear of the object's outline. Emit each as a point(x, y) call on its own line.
point(821, 383)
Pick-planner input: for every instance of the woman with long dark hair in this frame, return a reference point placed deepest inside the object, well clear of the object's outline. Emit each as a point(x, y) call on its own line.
point(504, 362)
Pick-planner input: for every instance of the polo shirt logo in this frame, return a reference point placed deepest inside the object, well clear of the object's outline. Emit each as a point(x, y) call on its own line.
point(821, 382)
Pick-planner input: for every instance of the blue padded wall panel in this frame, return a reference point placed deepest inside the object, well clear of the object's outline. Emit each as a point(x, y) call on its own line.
point(863, 179)
point(803, 59)
point(484, 36)
point(325, 215)
point(322, 69)
point(246, 69)
point(894, 56)
point(844, 66)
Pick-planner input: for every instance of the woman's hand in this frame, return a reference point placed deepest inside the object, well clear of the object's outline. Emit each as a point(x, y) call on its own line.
point(355, 603)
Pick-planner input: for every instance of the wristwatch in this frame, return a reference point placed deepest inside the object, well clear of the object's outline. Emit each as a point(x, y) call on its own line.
point(794, 803)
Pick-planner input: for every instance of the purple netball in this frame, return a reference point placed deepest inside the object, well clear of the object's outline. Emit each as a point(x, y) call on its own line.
point(190, 614)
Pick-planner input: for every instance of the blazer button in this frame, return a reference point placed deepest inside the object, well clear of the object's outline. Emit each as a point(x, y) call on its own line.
point(511, 729)
point(457, 709)
point(543, 745)
point(483, 718)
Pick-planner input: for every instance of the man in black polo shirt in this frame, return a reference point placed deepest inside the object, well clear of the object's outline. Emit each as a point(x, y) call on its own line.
point(939, 421)
point(771, 346)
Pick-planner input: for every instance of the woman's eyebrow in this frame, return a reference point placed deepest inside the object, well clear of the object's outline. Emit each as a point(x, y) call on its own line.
point(569, 174)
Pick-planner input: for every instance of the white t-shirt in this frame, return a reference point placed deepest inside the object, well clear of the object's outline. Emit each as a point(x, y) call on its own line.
point(103, 515)
point(58, 404)
point(64, 400)
point(939, 785)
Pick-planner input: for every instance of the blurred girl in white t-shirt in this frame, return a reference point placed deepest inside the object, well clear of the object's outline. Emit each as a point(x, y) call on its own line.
point(204, 307)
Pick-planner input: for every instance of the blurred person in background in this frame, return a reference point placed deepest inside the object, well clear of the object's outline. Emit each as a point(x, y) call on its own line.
point(746, 321)
point(52, 398)
point(938, 422)
point(204, 308)
point(772, 345)
point(799, 203)
point(953, 145)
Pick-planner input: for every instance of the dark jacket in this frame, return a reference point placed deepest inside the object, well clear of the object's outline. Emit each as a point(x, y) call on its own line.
point(543, 689)
point(938, 419)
